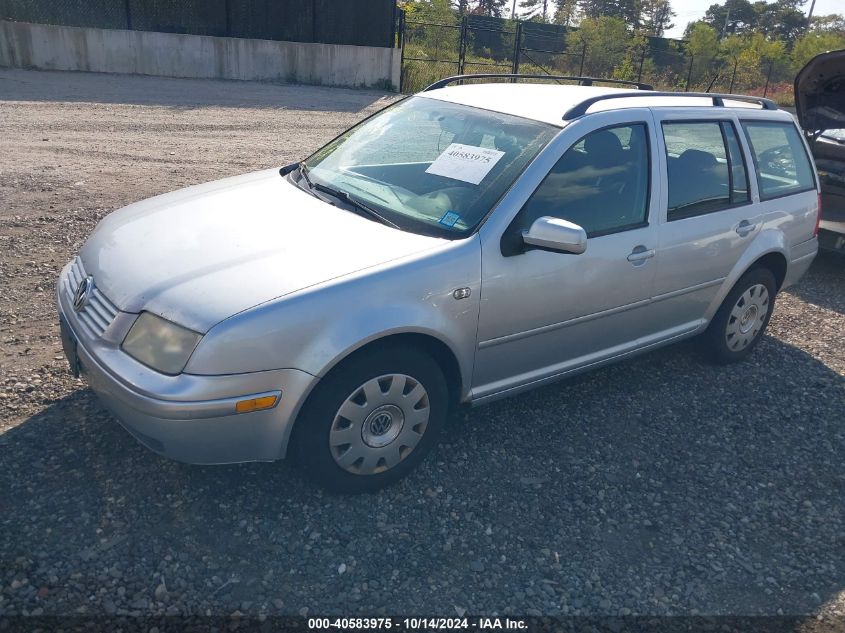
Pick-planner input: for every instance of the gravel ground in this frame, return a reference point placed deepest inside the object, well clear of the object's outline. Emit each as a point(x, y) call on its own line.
point(661, 485)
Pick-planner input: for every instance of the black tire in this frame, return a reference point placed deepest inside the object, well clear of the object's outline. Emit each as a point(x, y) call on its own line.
point(319, 417)
point(718, 343)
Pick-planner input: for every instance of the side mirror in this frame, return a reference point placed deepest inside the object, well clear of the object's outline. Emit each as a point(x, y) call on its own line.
point(554, 234)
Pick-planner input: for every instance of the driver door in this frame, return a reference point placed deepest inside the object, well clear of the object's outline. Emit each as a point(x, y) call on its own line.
point(546, 313)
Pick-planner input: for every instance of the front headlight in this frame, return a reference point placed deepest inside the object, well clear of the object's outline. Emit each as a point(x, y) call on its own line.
point(164, 346)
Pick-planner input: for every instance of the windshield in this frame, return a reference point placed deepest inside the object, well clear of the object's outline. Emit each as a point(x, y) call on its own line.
point(430, 166)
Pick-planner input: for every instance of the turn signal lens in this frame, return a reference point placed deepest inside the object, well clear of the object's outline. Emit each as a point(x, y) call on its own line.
point(256, 404)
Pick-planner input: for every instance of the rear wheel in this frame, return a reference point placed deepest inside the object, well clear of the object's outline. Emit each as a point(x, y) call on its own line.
point(742, 318)
point(372, 420)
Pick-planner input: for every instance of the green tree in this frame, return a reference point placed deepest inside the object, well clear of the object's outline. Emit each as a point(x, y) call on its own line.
point(657, 17)
point(783, 19)
point(703, 45)
point(757, 57)
point(833, 23)
point(606, 39)
point(436, 11)
point(734, 17)
point(780, 19)
point(494, 8)
point(809, 45)
point(535, 9)
point(629, 67)
point(566, 12)
point(626, 10)
point(461, 6)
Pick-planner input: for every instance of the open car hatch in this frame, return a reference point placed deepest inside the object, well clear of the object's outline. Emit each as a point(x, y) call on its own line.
point(820, 108)
point(820, 92)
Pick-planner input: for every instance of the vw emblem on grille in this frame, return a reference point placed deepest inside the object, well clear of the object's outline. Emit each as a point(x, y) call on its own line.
point(83, 293)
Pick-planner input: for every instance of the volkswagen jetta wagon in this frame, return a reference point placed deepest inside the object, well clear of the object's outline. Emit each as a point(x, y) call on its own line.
point(464, 244)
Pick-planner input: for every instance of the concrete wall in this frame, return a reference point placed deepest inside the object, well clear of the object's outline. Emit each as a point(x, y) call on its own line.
point(49, 47)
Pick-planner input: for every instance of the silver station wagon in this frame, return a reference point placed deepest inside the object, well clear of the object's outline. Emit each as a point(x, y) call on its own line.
point(473, 241)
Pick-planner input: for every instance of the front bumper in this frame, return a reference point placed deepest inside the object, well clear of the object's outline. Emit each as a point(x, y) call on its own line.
point(189, 418)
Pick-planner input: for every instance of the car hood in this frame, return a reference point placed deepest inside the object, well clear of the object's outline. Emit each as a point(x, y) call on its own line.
point(199, 255)
point(820, 92)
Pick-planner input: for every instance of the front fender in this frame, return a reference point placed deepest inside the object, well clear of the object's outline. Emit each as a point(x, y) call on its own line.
point(767, 241)
point(312, 330)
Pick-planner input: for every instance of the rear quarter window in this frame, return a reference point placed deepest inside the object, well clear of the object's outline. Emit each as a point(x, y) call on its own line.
point(781, 161)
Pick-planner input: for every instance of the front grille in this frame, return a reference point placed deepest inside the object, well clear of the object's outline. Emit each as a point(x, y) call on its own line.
point(99, 312)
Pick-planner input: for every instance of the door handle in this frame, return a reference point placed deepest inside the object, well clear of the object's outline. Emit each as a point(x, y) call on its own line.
point(744, 228)
point(640, 254)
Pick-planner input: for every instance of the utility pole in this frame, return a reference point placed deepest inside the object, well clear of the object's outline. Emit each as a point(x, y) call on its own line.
point(810, 14)
point(725, 27)
point(513, 10)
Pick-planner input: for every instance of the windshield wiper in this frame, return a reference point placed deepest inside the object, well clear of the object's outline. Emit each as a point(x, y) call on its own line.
point(349, 199)
point(303, 171)
point(343, 196)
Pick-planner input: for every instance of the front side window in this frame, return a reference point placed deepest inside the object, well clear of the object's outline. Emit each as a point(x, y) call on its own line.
point(783, 167)
point(705, 169)
point(430, 166)
point(601, 183)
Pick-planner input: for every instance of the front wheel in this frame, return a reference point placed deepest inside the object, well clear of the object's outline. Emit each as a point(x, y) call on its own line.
point(742, 318)
point(372, 420)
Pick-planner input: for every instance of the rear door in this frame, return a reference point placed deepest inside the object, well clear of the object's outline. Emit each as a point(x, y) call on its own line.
point(707, 216)
point(784, 175)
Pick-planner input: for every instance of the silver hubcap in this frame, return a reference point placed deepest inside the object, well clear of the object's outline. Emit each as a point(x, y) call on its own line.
point(747, 317)
point(379, 424)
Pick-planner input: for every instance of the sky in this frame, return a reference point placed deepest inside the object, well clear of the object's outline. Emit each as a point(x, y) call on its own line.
point(691, 10)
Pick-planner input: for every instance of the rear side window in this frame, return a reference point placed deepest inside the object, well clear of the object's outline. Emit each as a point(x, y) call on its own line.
point(706, 172)
point(783, 167)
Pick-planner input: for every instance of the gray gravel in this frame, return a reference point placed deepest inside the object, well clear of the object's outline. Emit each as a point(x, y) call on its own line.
point(661, 485)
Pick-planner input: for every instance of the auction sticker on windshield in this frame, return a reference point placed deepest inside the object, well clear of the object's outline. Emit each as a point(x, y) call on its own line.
point(465, 162)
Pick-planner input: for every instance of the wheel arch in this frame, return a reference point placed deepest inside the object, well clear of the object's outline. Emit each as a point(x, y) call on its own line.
point(768, 250)
point(775, 262)
point(440, 351)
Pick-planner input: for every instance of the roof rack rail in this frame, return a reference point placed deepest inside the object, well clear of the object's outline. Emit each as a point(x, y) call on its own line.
point(584, 81)
point(581, 108)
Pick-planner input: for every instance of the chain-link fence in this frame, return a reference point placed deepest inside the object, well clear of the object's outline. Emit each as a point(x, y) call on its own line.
point(359, 22)
point(769, 78)
point(543, 49)
point(476, 44)
point(430, 52)
point(107, 14)
point(434, 51)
